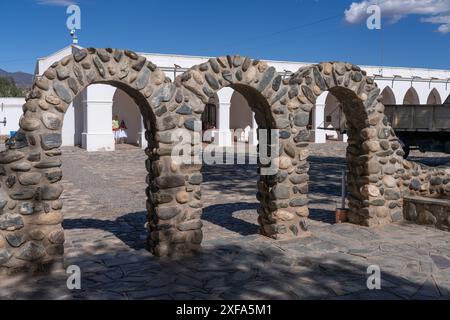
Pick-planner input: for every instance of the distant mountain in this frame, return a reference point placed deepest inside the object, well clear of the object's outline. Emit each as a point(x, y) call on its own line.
point(22, 79)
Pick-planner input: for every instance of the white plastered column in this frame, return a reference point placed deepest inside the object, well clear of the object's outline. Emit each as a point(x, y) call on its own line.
point(97, 134)
point(253, 136)
point(143, 143)
point(319, 119)
point(224, 136)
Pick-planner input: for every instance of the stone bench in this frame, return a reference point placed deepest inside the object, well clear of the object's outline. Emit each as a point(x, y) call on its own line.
point(427, 211)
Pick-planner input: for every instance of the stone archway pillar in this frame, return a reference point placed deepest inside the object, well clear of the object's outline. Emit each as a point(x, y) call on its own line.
point(97, 134)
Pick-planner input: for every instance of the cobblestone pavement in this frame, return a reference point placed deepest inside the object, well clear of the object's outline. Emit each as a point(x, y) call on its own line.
point(105, 236)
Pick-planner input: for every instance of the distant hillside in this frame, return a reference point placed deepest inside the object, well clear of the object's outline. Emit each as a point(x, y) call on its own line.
point(22, 79)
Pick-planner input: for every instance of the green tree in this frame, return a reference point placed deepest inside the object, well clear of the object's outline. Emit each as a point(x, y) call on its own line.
point(8, 88)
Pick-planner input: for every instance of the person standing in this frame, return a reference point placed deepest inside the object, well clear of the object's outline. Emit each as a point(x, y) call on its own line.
point(115, 128)
point(122, 132)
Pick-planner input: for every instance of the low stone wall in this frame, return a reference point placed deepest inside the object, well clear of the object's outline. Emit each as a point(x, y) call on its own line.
point(428, 211)
point(421, 180)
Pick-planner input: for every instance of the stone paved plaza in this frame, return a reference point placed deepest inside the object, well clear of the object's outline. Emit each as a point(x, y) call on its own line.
point(104, 206)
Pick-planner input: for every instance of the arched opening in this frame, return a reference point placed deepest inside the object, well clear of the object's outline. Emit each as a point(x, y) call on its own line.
point(129, 118)
point(434, 98)
point(241, 118)
point(36, 189)
point(411, 97)
point(388, 96)
point(334, 120)
point(230, 170)
point(447, 101)
point(103, 197)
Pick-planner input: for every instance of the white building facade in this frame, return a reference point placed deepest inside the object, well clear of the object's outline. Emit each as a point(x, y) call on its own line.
point(88, 121)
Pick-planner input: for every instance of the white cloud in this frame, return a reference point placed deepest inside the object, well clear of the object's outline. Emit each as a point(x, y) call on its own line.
point(61, 3)
point(431, 11)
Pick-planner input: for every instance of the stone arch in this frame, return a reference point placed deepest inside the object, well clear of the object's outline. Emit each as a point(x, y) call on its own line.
point(434, 97)
point(31, 234)
point(388, 96)
point(374, 156)
point(447, 101)
point(271, 99)
point(411, 97)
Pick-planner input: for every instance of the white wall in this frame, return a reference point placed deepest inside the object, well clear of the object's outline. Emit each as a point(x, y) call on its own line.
point(11, 109)
point(95, 124)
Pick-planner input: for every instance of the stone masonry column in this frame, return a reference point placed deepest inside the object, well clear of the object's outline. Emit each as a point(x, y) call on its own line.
point(97, 134)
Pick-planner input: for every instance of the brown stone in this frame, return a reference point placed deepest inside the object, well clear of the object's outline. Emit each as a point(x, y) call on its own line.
point(51, 218)
point(57, 237)
point(36, 234)
point(302, 211)
point(182, 197)
point(283, 215)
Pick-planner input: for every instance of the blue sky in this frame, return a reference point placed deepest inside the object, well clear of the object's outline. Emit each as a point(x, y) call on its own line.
point(298, 30)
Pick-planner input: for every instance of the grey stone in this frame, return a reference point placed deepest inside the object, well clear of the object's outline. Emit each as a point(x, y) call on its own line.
point(190, 225)
point(15, 240)
point(276, 83)
point(49, 163)
point(172, 181)
point(11, 156)
point(309, 94)
point(301, 119)
point(167, 213)
point(139, 64)
point(191, 124)
point(167, 123)
point(212, 81)
point(185, 109)
point(11, 181)
point(164, 94)
point(299, 202)
point(51, 121)
point(415, 185)
point(227, 75)
point(266, 79)
point(318, 79)
point(62, 92)
point(435, 181)
point(31, 251)
point(23, 193)
point(4, 256)
point(21, 166)
point(196, 179)
point(284, 134)
point(391, 194)
point(281, 191)
point(142, 81)
point(51, 141)
point(51, 192)
point(73, 85)
point(54, 176)
point(11, 222)
point(80, 55)
point(26, 209)
point(100, 67)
